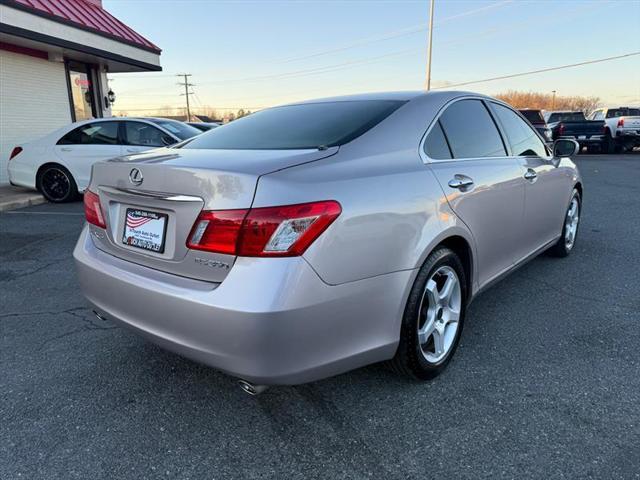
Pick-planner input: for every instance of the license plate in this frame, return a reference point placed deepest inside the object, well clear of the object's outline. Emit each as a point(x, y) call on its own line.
point(582, 137)
point(145, 230)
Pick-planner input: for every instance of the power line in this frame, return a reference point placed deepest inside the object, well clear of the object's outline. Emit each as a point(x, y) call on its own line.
point(394, 33)
point(542, 70)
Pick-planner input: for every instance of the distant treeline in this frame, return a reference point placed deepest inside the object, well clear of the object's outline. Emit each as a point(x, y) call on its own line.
point(545, 101)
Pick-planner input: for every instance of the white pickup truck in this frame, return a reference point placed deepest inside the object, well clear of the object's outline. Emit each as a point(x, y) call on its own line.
point(622, 127)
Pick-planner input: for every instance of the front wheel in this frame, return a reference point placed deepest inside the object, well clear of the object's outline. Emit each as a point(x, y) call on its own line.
point(567, 240)
point(56, 184)
point(433, 317)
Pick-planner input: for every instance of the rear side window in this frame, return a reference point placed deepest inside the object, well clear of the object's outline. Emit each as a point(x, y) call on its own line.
point(103, 133)
point(523, 140)
point(435, 146)
point(471, 131)
point(143, 134)
point(308, 125)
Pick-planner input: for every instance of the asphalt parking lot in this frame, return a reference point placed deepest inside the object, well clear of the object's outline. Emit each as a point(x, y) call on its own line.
point(545, 384)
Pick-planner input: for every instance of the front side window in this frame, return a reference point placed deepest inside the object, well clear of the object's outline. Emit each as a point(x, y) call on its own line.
point(103, 133)
point(523, 140)
point(143, 134)
point(435, 145)
point(471, 131)
point(303, 126)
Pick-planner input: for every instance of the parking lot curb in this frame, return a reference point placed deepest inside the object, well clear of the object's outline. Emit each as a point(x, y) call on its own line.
point(12, 198)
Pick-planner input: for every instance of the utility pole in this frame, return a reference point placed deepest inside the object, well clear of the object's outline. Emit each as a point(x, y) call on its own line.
point(186, 93)
point(553, 100)
point(428, 83)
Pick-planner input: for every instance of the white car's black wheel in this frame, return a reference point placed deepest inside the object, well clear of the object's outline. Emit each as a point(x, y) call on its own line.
point(56, 184)
point(567, 240)
point(433, 317)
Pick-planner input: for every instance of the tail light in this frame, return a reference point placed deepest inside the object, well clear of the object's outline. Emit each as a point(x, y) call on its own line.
point(284, 231)
point(560, 129)
point(621, 122)
point(93, 210)
point(15, 152)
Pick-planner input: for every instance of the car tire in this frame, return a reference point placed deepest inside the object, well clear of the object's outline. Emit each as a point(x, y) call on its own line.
point(571, 222)
point(429, 309)
point(56, 184)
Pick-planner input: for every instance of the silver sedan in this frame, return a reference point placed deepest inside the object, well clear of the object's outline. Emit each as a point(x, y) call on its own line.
point(306, 240)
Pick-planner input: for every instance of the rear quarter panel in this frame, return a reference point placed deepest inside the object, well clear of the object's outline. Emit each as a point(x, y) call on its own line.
point(393, 209)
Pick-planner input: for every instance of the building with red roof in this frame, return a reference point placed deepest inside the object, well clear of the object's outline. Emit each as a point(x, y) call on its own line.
point(54, 60)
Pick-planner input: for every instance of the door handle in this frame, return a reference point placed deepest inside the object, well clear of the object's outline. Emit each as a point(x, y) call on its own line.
point(131, 150)
point(66, 149)
point(460, 181)
point(530, 174)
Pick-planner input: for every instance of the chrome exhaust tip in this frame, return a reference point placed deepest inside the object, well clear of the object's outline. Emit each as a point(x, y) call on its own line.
point(100, 317)
point(250, 388)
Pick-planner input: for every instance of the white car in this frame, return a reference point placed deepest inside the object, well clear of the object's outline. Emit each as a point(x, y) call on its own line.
point(622, 127)
point(59, 164)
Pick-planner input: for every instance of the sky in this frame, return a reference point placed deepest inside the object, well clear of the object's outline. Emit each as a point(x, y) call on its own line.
point(255, 54)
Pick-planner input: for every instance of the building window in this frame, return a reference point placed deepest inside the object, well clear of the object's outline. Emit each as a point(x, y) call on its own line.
point(82, 91)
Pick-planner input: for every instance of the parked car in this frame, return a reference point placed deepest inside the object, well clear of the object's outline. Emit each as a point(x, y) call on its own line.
point(536, 119)
point(59, 164)
point(204, 126)
point(310, 239)
point(622, 131)
point(574, 125)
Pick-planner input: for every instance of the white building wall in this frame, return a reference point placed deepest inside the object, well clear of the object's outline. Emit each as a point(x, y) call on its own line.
point(33, 101)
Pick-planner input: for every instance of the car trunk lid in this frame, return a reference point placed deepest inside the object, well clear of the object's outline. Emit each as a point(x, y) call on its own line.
point(162, 192)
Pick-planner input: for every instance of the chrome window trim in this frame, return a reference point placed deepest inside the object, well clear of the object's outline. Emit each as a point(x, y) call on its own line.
point(426, 159)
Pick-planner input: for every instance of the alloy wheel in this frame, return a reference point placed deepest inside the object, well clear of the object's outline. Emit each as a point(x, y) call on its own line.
point(571, 223)
point(55, 183)
point(440, 309)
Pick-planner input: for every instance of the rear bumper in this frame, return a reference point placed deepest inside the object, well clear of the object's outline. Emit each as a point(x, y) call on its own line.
point(272, 320)
point(628, 134)
point(589, 140)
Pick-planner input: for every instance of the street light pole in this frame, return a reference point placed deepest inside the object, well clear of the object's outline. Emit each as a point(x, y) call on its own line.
point(428, 83)
point(553, 100)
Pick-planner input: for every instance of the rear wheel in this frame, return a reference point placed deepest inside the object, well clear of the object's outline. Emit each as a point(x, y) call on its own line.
point(433, 317)
point(567, 240)
point(56, 184)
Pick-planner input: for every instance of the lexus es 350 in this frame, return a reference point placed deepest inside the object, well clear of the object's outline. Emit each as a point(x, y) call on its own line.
point(306, 240)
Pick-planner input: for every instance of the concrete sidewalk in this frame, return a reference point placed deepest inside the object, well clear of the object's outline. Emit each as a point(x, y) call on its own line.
point(17, 197)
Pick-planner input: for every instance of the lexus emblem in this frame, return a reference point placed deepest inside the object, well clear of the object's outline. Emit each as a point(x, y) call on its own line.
point(135, 176)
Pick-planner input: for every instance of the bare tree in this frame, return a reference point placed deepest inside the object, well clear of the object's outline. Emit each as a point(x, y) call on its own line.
point(546, 101)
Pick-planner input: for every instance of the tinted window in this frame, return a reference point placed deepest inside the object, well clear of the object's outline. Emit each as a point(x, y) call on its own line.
point(623, 112)
point(179, 129)
point(103, 133)
point(521, 137)
point(534, 116)
point(471, 131)
point(307, 125)
point(139, 133)
point(435, 146)
point(566, 117)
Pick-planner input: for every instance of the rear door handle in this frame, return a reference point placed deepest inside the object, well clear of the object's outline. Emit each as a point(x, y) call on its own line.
point(530, 174)
point(66, 149)
point(460, 181)
point(131, 150)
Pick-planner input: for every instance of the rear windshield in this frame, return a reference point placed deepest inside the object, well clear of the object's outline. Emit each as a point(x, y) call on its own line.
point(566, 117)
point(179, 129)
point(309, 125)
point(623, 112)
point(534, 116)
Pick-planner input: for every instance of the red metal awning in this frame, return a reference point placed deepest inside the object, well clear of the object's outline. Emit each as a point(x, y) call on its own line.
point(86, 15)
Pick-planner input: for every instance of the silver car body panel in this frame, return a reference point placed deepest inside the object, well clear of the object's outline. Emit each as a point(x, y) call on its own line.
point(339, 306)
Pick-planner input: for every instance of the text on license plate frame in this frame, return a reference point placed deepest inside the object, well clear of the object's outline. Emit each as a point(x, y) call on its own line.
point(140, 243)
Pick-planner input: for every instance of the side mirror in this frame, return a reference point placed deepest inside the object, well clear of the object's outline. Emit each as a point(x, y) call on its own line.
point(167, 140)
point(565, 147)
